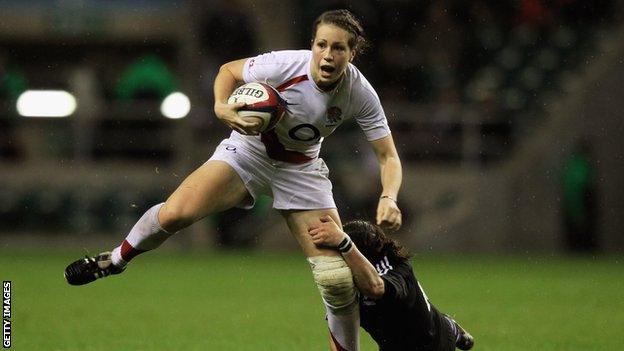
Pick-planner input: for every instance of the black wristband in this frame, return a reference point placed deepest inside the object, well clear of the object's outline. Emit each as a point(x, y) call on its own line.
point(345, 245)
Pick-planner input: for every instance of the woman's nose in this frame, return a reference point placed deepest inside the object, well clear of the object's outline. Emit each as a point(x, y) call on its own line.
point(328, 56)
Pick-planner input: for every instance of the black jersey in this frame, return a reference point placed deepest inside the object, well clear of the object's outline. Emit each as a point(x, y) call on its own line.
point(403, 319)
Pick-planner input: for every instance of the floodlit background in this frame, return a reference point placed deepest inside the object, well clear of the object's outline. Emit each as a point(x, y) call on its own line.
point(507, 116)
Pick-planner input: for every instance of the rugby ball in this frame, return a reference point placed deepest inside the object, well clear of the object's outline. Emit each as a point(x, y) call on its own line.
point(262, 102)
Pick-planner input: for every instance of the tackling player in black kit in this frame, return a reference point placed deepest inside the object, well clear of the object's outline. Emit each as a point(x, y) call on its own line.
point(394, 309)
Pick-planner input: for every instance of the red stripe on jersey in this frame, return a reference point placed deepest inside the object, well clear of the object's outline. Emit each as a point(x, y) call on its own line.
point(274, 148)
point(338, 346)
point(128, 252)
point(277, 151)
point(292, 82)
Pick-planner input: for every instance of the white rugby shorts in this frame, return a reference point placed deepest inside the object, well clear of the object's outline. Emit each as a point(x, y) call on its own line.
point(292, 186)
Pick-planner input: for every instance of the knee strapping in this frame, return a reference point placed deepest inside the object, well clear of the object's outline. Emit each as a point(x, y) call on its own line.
point(334, 280)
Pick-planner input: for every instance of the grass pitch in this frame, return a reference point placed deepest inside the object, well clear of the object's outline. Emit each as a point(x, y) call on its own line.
point(258, 301)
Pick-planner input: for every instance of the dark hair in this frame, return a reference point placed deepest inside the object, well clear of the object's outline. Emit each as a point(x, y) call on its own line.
point(346, 20)
point(373, 243)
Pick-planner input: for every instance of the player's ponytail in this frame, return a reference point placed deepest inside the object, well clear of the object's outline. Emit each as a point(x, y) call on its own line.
point(373, 243)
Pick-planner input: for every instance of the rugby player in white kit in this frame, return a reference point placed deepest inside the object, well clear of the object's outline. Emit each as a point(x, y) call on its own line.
point(323, 89)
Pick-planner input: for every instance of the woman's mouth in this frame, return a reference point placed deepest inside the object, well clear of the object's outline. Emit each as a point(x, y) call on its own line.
point(327, 69)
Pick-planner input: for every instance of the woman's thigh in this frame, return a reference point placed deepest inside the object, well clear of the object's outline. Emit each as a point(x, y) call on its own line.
point(300, 221)
point(212, 188)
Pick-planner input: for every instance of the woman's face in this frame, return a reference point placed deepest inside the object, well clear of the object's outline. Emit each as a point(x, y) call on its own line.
point(330, 54)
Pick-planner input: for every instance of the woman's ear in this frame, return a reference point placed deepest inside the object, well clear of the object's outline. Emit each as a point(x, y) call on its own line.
point(352, 56)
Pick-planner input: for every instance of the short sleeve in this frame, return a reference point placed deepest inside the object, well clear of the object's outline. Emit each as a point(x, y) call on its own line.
point(372, 118)
point(273, 68)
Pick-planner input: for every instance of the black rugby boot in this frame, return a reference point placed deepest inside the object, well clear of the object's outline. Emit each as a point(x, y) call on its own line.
point(465, 340)
point(88, 269)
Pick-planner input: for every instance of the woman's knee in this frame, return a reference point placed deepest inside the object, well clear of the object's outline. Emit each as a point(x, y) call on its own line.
point(334, 281)
point(173, 217)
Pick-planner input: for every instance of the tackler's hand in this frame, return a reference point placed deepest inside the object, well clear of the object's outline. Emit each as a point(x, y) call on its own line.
point(388, 214)
point(327, 233)
point(228, 114)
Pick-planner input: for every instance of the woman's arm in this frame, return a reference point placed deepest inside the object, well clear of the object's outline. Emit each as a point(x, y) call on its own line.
point(229, 77)
point(366, 278)
point(388, 212)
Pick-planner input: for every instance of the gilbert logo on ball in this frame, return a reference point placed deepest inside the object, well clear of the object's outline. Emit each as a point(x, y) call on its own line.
point(262, 102)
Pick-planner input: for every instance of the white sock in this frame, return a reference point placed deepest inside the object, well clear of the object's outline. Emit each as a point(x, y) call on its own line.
point(147, 234)
point(116, 257)
point(344, 326)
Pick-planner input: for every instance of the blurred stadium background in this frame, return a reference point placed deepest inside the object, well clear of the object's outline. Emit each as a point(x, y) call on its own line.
point(507, 116)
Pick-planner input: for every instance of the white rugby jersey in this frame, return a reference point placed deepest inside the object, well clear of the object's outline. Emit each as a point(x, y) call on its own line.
point(313, 113)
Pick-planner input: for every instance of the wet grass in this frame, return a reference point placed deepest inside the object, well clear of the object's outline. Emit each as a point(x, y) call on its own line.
point(259, 301)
